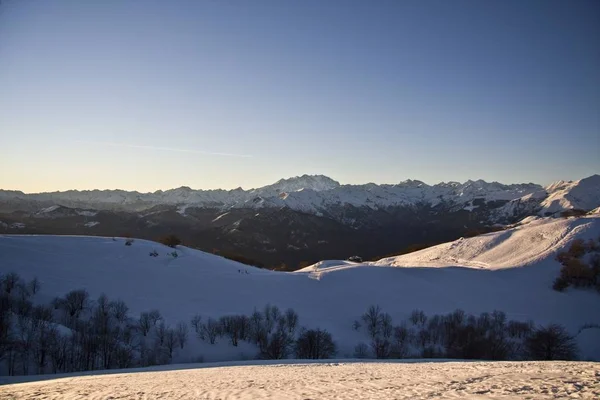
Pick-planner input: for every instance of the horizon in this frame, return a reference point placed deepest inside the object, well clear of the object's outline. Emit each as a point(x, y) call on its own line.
point(296, 177)
point(144, 96)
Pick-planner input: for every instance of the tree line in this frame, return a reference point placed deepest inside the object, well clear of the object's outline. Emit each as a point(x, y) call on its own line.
point(77, 333)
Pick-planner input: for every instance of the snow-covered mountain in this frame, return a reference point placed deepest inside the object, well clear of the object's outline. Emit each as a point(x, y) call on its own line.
point(583, 194)
point(299, 220)
point(317, 194)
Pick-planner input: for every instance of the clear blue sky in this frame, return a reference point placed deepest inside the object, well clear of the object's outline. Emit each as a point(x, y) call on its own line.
point(150, 95)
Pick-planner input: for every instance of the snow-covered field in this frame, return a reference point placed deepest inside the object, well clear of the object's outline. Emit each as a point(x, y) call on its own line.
point(510, 271)
point(331, 380)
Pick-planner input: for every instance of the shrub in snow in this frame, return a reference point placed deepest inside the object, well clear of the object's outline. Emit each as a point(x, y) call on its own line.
point(153, 253)
point(236, 327)
point(551, 343)
point(174, 254)
point(580, 266)
point(361, 350)
point(128, 242)
point(315, 344)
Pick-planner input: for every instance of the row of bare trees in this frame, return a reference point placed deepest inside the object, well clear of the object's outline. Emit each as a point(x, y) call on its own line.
point(77, 333)
point(489, 336)
point(276, 333)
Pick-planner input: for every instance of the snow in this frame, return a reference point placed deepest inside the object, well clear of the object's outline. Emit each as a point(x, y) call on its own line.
point(87, 213)
point(319, 195)
point(511, 271)
point(181, 209)
point(17, 225)
point(532, 241)
point(49, 209)
point(331, 379)
point(583, 194)
point(305, 193)
point(91, 224)
point(219, 217)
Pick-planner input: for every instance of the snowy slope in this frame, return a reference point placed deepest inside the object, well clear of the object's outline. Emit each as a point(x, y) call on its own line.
point(533, 240)
point(323, 380)
point(583, 194)
point(330, 296)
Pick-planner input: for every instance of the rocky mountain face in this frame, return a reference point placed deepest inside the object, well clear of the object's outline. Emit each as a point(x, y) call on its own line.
point(298, 220)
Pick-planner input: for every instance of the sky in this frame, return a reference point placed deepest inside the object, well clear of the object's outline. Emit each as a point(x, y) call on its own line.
point(148, 95)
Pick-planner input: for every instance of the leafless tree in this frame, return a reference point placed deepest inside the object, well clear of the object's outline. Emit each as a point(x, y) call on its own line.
point(182, 333)
point(372, 320)
point(315, 344)
point(170, 341)
point(119, 310)
point(211, 329)
point(291, 320)
point(161, 333)
point(9, 282)
point(34, 286)
point(75, 302)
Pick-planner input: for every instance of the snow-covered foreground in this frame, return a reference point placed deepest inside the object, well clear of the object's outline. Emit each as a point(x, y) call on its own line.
point(510, 271)
point(332, 380)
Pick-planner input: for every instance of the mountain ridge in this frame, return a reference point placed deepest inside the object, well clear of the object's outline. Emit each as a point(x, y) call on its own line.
point(315, 194)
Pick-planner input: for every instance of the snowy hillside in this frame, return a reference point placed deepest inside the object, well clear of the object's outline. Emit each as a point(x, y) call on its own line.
point(534, 240)
point(583, 194)
point(511, 271)
point(332, 379)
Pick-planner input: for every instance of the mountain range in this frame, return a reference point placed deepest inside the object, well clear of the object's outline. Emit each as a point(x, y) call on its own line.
point(299, 220)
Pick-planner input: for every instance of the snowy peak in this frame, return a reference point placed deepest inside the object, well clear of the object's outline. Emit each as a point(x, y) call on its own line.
point(321, 195)
point(318, 183)
point(583, 194)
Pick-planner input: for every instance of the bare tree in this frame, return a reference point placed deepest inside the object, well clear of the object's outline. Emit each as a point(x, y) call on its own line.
point(34, 286)
point(170, 341)
point(154, 316)
point(315, 344)
point(145, 323)
point(551, 343)
point(291, 319)
point(9, 282)
point(272, 315)
point(418, 318)
point(256, 326)
point(401, 341)
point(211, 330)
point(182, 333)
point(161, 333)
point(75, 302)
point(119, 310)
point(372, 320)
